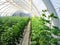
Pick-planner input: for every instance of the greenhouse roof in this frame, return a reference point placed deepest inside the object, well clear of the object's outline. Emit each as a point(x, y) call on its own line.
point(56, 4)
point(34, 7)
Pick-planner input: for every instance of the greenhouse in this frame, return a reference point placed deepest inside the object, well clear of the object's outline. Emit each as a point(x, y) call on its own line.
point(29, 22)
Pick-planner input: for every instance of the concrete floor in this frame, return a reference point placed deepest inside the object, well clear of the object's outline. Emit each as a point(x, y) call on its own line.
point(26, 39)
point(26, 36)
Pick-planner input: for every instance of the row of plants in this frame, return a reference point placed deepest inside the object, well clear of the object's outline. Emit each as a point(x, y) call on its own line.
point(41, 33)
point(11, 29)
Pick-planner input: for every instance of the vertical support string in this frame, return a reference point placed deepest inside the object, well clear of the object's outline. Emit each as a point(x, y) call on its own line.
point(31, 6)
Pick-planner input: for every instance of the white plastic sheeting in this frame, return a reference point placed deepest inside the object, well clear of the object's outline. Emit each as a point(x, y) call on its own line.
point(8, 7)
point(56, 4)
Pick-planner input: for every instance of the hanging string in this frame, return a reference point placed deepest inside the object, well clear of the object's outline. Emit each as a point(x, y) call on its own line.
point(31, 5)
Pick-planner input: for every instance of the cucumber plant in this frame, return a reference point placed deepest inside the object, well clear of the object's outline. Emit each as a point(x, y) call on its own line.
point(41, 33)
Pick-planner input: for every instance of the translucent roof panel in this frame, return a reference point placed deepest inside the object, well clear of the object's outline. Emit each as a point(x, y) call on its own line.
point(37, 6)
point(56, 4)
point(8, 7)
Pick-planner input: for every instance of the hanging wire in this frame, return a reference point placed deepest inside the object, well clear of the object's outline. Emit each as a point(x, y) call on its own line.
point(31, 5)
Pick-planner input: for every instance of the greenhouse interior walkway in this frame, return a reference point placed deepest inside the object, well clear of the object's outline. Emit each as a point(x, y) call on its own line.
point(26, 40)
point(29, 22)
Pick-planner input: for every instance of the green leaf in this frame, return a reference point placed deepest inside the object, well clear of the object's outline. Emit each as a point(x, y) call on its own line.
point(53, 16)
point(44, 15)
